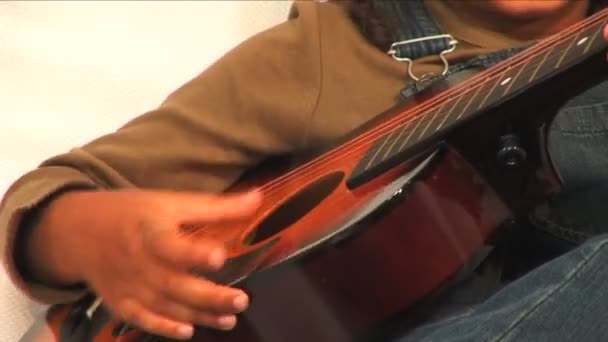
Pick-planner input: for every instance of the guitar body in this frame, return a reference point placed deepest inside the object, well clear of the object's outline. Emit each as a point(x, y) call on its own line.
point(325, 261)
point(363, 257)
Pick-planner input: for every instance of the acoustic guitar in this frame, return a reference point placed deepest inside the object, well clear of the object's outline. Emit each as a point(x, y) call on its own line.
point(375, 224)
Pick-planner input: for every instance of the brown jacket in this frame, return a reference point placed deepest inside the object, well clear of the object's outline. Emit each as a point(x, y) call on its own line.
point(300, 84)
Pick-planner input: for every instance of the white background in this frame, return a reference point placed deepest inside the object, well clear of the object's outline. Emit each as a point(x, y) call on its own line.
point(70, 71)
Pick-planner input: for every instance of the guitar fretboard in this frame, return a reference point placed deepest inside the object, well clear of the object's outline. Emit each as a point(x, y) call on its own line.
point(500, 83)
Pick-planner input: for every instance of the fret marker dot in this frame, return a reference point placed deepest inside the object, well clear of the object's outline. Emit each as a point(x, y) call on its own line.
point(582, 41)
point(505, 81)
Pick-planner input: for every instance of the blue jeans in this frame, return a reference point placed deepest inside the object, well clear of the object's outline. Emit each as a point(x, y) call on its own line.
point(565, 299)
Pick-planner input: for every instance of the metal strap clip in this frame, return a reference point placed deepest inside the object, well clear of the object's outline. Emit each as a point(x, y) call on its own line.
point(393, 52)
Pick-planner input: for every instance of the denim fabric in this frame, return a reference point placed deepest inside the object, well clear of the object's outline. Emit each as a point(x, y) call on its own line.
point(579, 148)
point(563, 300)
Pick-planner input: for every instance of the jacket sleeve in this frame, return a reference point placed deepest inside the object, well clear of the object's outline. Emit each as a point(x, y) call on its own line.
point(253, 102)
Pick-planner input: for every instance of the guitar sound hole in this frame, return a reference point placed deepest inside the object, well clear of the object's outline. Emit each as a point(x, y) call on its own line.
point(296, 207)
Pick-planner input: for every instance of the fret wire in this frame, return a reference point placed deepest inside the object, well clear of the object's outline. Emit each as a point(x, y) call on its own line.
point(527, 61)
point(469, 103)
point(576, 45)
point(389, 140)
point(430, 122)
point(530, 65)
point(548, 67)
point(385, 139)
point(546, 59)
point(549, 57)
point(373, 149)
point(564, 51)
point(516, 77)
point(595, 36)
point(401, 131)
point(541, 64)
point(561, 59)
point(525, 64)
point(499, 79)
point(418, 120)
point(450, 112)
point(481, 95)
point(531, 57)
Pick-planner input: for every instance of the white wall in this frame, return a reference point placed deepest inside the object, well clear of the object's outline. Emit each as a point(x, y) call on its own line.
point(70, 71)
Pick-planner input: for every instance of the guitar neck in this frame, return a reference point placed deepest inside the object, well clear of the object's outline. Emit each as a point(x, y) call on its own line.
point(410, 131)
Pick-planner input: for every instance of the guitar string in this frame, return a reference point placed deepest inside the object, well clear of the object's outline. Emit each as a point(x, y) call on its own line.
point(197, 231)
point(403, 120)
point(307, 170)
point(417, 113)
point(497, 75)
point(421, 113)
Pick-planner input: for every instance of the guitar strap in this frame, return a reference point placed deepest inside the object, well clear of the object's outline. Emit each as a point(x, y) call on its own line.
point(418, 36)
